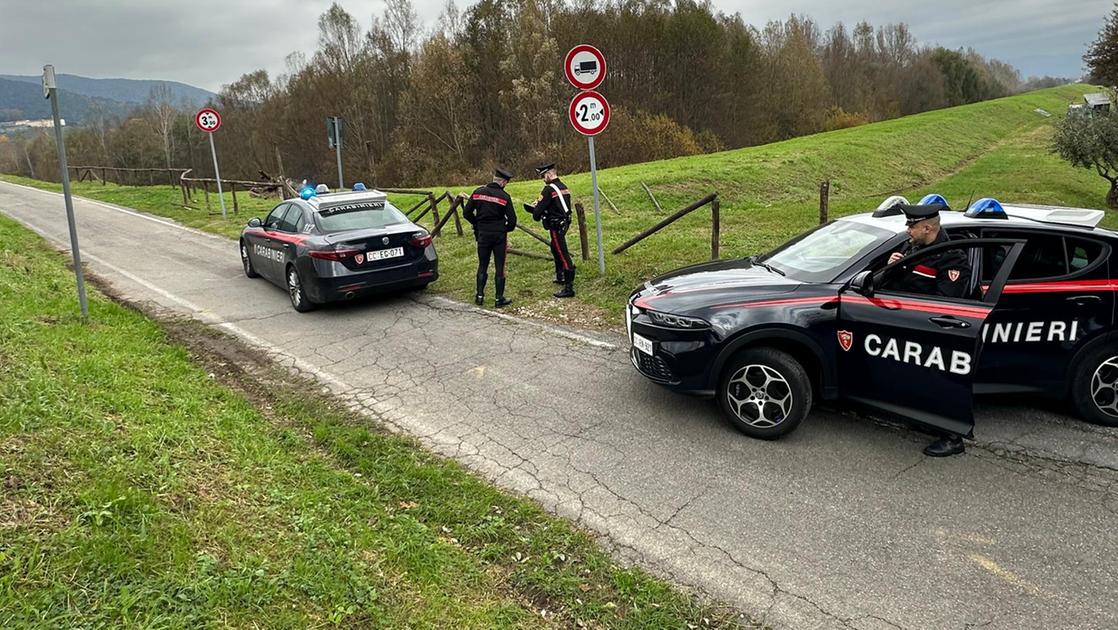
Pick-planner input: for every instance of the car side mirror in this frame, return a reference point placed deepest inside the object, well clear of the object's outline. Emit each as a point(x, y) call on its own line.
point(254, 222)
point(862, 283)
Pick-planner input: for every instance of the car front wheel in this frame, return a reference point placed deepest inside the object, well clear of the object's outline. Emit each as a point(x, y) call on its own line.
point(764, 393)
point(1094, 386)
point(250, 271)
point(295, 289)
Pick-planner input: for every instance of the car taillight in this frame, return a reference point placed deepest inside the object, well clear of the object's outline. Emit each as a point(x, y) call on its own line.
point(337, 254)
point(420, 239)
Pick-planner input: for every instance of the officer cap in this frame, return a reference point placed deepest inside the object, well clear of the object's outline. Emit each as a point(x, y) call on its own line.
point(543, 168)
point(915, 214)
point(502, 173)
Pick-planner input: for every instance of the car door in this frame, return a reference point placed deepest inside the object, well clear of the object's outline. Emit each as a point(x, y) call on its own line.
point(1057, 299)
point(270, 250)
point(915, 355)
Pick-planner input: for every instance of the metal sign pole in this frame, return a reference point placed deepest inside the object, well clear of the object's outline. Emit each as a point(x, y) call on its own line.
point(217, 175)
point(597, 208)
point(74, 250)
point(338, 149)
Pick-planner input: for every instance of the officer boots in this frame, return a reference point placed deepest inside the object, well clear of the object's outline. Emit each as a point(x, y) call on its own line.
point(945, 446)
point(501, 299)
point(479, 295)
point(568, 289)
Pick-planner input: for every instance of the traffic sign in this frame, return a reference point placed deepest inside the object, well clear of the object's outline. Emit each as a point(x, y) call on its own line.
point(589, 113)
point(208, 120)
point(585, 67)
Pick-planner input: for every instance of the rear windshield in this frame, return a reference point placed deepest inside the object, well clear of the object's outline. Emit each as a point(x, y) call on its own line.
point(359, 216)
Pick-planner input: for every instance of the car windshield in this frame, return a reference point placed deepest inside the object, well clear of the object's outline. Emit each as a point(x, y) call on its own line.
point(821, 254)
point(359, 216)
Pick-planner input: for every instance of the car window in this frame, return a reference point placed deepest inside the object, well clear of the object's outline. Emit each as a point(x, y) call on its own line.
point(823, 253)
point(947, 273)
point(1082, 253)
point(293, 214)
point(1044, 256)
point(275, 216)
point(359, 216)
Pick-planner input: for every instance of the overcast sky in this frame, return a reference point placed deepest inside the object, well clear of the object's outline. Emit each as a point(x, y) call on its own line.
point(212, 42)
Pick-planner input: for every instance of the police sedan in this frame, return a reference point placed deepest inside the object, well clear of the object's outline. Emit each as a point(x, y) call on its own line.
point(333, 247)
point(826, 316)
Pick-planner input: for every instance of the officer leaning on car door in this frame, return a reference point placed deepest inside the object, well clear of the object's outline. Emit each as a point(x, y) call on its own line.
point(489, 210)
point(946, 274)
point(553, 208)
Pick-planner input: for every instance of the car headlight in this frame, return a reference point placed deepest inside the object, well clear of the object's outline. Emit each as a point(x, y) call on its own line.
point(676, 321)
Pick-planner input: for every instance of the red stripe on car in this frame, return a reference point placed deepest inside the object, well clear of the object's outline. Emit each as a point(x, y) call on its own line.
point(939, 308)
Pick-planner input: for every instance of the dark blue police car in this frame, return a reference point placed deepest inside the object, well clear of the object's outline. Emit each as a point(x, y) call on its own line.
point(826, 316)
point(332, 247)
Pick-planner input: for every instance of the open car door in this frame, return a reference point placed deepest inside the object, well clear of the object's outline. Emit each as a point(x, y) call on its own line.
point(915, 355)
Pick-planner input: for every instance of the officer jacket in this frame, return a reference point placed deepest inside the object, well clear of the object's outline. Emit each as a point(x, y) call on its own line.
point(555, 214)
point(947, 273)
point(490, 210)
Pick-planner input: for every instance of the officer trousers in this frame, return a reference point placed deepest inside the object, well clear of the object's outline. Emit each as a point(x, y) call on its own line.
point(564, 264)
point(495, 245)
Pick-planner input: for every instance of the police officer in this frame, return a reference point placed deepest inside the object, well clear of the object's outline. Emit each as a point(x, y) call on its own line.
point(946, 274)
point(489, 210)
point(554, 209)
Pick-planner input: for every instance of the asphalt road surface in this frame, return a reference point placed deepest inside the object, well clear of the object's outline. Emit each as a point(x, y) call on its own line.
point(843, 524)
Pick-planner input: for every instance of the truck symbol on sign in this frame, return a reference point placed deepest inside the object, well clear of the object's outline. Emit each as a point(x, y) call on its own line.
point(586, 67)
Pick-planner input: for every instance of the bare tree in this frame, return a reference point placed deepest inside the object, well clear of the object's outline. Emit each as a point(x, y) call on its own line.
point(162, 113)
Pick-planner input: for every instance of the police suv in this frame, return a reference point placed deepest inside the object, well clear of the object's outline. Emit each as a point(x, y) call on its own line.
point(331, 247)
point(825, 316)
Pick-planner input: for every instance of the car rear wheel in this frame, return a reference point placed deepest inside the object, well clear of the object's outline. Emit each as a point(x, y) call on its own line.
point(1094, 386)
point(250, 271)
point(764, 393)
point(295, 290)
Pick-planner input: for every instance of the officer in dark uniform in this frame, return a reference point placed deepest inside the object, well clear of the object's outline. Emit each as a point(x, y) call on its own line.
point(489, 210)
point(946, 274)
point(554, 209)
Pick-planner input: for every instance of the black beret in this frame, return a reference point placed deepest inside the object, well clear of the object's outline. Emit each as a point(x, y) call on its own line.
point(543, 168)
point(502, 173)
point(915, 214)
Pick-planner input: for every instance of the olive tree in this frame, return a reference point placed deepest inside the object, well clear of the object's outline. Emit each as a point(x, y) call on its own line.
point(1089, 139)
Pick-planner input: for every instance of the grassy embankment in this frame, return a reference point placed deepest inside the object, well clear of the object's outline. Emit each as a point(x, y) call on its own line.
point(769, 193)
point(139, 491)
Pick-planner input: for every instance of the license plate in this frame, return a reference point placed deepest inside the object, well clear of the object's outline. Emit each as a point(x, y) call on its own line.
point(642, 344)
point(382, 254)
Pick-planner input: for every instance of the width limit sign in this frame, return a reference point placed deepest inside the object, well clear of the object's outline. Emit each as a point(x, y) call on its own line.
point(589, 113)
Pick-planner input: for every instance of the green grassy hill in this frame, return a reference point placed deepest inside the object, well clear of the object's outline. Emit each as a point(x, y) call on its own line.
point(768, 193)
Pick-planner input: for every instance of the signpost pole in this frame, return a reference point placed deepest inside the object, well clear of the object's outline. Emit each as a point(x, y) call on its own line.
point(75, 251)
point(338, 149)
point(217, 175)
point(597, 208)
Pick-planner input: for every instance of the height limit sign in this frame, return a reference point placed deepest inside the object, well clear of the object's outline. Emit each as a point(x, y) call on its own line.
point(589, 113)
point(585, 68)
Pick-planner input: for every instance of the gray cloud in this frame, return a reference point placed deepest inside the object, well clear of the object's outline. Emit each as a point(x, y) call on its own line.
point(212, 42)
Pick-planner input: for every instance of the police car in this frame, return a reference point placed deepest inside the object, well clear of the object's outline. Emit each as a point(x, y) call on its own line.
point(332, 247)
point(825, 316)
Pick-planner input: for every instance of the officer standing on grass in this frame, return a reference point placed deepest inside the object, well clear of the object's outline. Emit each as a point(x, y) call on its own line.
point(489, 210)
point(554, 209)
point(946, 274)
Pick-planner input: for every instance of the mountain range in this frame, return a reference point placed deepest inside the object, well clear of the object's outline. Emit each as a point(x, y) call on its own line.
point(21, 97)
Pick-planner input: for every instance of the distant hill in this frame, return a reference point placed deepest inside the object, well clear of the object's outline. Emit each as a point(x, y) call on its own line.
point(20, 100)
point(132, 91)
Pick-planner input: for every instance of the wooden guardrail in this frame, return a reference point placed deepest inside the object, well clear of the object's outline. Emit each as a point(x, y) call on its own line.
point(715, 225)
point(127, 176)
point(188, 185)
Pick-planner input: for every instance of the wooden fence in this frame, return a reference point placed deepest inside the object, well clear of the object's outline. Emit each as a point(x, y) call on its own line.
point(128, 176)
point(280, 187)
point(715, 225)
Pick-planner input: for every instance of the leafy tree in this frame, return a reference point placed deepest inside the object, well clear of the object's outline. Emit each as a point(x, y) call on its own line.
point(1102, 56)
point(1090, 140)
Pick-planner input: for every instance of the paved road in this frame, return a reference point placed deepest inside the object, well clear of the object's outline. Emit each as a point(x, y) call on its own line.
point(842, 524)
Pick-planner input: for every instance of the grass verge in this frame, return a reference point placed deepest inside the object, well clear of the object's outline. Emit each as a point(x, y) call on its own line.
point(769, 193)
point(141, 489)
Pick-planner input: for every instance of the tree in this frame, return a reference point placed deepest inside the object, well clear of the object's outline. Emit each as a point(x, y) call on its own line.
point(1090, 140)
point(1102, 56)
point(162, 113)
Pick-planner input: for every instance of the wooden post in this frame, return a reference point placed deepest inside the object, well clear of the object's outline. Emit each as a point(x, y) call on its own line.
point(279, 163)
point(457, 215)
point(233, 190)
point(824, 200)
point(648, 190)
point(206, 189)
point(715, 228)
point(580, 215)
point(435, 207)
point(604, 196)
point(659, 226)
point(170, 178)
point(103, 180)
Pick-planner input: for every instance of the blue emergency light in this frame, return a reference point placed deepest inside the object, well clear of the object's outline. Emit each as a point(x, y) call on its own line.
point(934, 200)
point(359, 186)
point(306, 193)
point(987, 208)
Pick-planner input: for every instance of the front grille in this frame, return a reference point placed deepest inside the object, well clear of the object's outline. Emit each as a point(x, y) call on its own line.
point(652, 367)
